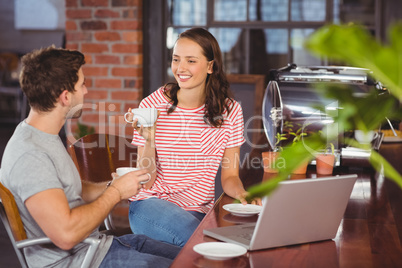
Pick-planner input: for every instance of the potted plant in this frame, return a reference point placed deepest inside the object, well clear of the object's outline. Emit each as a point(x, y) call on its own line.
point(298, 137)
point(325, 161)
point(269, 158)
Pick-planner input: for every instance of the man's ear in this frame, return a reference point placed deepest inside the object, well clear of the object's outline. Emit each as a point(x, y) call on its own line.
point(65, 98)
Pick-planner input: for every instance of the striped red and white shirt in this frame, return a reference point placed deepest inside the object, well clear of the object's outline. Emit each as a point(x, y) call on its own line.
point(188, 152)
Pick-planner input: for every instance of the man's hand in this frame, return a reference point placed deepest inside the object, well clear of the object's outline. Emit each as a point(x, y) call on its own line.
point(130, 183)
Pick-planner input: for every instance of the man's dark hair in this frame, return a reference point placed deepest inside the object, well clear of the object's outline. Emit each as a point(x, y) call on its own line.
point(46, 73)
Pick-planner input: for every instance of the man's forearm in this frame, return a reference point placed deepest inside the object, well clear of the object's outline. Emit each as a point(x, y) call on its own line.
point(67, 226)
point(84, 219)
point(92, 190)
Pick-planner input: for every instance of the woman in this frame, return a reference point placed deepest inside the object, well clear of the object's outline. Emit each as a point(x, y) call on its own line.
point(199, 127)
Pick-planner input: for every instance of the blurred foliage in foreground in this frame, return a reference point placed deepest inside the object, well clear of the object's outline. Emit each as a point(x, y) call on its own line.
point(356, 47)
point(83, 130)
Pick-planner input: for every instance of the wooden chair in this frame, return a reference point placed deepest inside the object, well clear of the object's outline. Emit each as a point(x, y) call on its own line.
point(11, 219)
point(96, 156)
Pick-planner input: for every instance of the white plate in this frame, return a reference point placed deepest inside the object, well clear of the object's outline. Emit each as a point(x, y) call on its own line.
point(219, 250)
point(242, 210)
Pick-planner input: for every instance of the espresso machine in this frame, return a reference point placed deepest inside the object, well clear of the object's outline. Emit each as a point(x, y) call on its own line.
point(291, 98)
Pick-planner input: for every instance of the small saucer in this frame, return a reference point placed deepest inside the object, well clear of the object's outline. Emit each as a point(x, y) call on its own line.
point(219, 250)
point(243, 210)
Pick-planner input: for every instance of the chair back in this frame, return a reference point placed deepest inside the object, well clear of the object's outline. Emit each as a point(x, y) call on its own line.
point(96, 156)
point(11, 219)
point(12, 213)
point(12, 222)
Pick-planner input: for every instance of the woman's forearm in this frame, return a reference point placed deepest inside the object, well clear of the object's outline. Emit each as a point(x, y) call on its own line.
point(233, 186)
point(147, 159)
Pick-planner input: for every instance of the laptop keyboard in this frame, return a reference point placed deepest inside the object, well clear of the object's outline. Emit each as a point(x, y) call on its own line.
point(246, 233)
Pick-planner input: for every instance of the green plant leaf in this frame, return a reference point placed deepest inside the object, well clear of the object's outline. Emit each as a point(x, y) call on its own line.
point(294, 156)
point(83, 130)
point(381, 164)
point(356, 46)
point(358, 112)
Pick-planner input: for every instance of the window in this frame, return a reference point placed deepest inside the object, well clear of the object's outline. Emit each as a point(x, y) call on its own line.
point(255, 35)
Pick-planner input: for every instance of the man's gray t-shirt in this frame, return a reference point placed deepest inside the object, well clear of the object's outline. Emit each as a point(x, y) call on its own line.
point(35, 161)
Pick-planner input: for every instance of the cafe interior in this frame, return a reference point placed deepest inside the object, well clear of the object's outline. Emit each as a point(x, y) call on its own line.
point(128, 46)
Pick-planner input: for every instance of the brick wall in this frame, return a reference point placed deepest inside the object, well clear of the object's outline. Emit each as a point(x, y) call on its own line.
point(109, 33)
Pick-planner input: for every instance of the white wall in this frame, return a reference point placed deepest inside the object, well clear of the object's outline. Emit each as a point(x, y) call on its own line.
point(22, 41)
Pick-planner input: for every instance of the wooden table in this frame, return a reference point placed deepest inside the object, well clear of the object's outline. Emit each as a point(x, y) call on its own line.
point(369, 235)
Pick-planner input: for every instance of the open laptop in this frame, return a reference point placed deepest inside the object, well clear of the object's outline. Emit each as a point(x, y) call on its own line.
point(298, 211)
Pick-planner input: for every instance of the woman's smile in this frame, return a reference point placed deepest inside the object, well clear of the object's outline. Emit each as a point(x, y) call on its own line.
point(183, 77)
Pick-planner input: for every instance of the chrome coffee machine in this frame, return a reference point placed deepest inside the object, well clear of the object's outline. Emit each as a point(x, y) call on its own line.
point(291, 97)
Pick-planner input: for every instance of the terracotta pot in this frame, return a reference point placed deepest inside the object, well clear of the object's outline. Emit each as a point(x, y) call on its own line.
point(268, 159)
point(302, 169)
point(297, 176)
point(325, 163)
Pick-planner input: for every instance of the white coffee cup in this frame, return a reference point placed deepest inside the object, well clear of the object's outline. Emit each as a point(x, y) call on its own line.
point(124, 170)
point(146, 116)
point(365, 137)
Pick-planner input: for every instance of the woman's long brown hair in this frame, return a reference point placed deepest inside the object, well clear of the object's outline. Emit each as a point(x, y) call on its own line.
point(217, 92)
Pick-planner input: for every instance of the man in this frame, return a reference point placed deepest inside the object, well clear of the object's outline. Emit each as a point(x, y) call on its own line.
point(52, 199)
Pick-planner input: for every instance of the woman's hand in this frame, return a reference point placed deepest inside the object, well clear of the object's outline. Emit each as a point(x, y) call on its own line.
point(231, 182)
point(242, 198)
point(148, 133)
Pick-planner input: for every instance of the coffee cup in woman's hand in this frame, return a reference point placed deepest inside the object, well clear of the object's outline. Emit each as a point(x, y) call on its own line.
point(145, 116)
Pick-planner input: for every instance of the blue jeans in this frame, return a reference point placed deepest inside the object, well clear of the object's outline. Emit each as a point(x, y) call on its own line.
point(163, 220)
point(139, 251)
